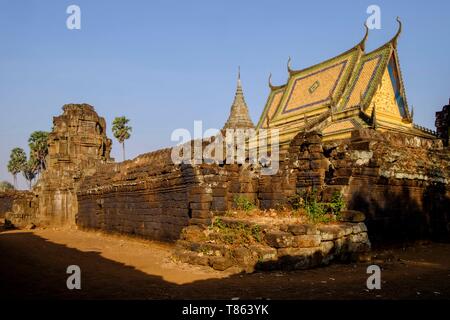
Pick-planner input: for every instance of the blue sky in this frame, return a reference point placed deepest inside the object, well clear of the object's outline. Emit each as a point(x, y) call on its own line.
point(164, 64)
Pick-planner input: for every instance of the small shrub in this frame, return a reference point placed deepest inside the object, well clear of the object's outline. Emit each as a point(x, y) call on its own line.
point(314, 209)
point(243, 203)
point(218, 223)
point(238, 234)
point(256, 233)
point(337, 203)
point(296, 201)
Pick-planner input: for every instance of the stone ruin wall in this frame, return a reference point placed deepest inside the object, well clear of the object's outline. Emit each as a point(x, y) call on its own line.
point(19, 207)
point(400, 182)
point(77, 144)
point(152, 197)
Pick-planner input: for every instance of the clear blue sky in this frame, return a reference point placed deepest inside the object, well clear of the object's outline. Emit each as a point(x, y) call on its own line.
point(164, 64)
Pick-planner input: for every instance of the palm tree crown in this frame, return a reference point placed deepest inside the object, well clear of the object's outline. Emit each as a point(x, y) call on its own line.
point(121, 131)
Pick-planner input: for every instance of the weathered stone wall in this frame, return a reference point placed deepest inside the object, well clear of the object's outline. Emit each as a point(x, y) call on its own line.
point(77, 144)
point(19, 207)
point(147, 196)
point(6, 202)
point(278, 244)
point(152, 197)
point(400, 182)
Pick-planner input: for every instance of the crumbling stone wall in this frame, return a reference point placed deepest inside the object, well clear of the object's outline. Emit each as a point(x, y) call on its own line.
point(6, 202)
point(147, 196)
point(400, 182)
point(152, 197)
point(77, 144)
point(281, 244)
point(19, 207)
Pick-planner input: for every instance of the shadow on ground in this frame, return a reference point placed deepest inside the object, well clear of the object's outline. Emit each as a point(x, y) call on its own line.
point(34, 268)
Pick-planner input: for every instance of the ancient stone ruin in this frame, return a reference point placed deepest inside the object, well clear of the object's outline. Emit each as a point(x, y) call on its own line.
point(393, 174)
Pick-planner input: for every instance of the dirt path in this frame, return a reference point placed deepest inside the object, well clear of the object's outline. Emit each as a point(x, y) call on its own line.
point(33, 265)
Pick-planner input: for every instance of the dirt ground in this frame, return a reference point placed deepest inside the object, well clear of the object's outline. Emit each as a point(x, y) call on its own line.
point(33, 265)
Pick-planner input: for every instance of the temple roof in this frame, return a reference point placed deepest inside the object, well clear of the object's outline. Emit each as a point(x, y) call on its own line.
point(341, 94)
point(239, 116)
point(311, 87)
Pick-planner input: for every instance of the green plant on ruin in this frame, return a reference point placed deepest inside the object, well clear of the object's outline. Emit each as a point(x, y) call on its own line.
point(218, 223)
point(257, 233)
point(243, 203)
point(296, 201)
point(205, 250)
point(337, 203)
point(229, 213)
point(315, 209)
point(240, 233)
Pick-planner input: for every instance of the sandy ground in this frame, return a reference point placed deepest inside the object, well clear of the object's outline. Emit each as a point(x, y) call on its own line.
point(33, 266)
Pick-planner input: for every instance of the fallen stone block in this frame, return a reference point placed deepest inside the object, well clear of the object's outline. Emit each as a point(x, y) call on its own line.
point(306, 241)
point(279, 239)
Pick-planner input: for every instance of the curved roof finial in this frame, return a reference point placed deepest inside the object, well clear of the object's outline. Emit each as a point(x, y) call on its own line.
point(270, 81)
point(289, 65)
point(399, 31)
point(362, 43)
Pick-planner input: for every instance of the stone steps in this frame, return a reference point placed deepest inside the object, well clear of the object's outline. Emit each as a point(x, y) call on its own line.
point(282, 246)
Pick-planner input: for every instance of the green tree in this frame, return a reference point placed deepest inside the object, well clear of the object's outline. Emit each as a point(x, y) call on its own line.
point(39, 148)
point(121, 131)
point(30, 169)
point(5, 186)
point(17, 161)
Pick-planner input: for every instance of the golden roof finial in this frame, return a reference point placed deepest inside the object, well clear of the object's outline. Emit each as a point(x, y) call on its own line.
point(272, 86)
point(399, 31)
point(289, 65)
point(362, 43)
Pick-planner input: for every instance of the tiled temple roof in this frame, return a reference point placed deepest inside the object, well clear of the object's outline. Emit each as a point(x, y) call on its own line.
point(347, 85)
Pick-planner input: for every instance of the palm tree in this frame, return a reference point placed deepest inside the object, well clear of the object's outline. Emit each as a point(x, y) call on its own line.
point(30, 169)
point(121, 131)
point(39, 148)
point(17, 161)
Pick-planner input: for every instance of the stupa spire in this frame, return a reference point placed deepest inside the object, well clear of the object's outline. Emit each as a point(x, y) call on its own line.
point(239, 115)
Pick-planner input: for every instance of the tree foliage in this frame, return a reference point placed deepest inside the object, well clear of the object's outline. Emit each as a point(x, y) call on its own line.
point(121, 131)
point(17, 161)
point(5, 186)
point(39, 148)
point(30, 170)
